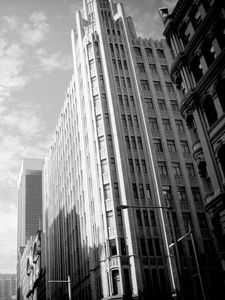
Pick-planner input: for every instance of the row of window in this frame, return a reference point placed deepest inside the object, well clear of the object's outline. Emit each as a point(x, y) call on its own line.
point(126, 101)
point(133, 143)
point(149, 52)
point(171, 146)
point(181, 194)
point(130, 121)
point(139, 165)
point(163, 170)
point(162, 105)
point(167, 126)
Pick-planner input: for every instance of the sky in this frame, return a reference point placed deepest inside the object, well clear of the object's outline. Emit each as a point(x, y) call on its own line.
point(35, 71)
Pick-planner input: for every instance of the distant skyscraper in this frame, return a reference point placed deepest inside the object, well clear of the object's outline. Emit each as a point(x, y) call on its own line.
point(7, 286)
point(29, 212)
point(119, 157)
point(29, 199)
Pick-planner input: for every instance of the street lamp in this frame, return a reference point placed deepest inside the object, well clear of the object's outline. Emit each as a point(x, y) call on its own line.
point(172, 269)
point(195, 255)
point(69, 285)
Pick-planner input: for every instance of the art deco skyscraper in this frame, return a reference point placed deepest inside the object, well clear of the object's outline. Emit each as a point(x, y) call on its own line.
point(119, 157)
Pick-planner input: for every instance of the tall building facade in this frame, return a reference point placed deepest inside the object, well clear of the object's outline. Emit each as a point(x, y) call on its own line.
point(7, 286)
point(29, 213)
point(120, 184)
point(196, 35)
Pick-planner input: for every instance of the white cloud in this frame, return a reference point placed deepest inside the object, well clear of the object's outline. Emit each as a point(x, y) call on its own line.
point(53, 61)
point(34, 32)
point(24, 122)
point(11, 62)
point(8, 23)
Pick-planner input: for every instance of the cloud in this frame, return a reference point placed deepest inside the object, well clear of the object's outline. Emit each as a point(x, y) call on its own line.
point(53, 61)
point(8, 23)
point(34, 32)
point(24, 122)
point(11, 62)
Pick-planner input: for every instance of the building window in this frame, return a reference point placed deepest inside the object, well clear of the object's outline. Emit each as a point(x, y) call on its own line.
point(195, 17)
point(209, 53)
point(162, 104)
point(158, 145)
point(153, 123)
point(135, 191)
point(167, 194)
point(182, 196)
point(196, 68)
point(113, 164)
point(221, 92)
point(149, 103)
point(137, 164)
point(125, 65)
point(116, 190)
point(190, 170)
point(130, 123)
point(171, 146)
point(123, 82)
point(140, 145)
point(112, 247)
point(127, 141)
point(221, 158)
point(196, 194)
point(146, 220)
point(136, 123)
point(210, 110)
point(110, 219)
point(120, 100)
point(165, 70)
point(149, 52)
point(144, 168)
point(174, 105)
point(106, 191)
point(157, 247)
point(152, 216)
point(137, 51)
point(116, 282)
point(150, 248)
point(143, 247)
point(131, 165)
point(141, 189)
point(160, 53)
point(180, 126)
point(138, 215)
point(117, 82)
point(104, 166)
point(202, 220)
point(132, 101)
point(124, 121)
point(166, 124)
point(170, 88)
point(184, 146)
point(153, 69)
point(157, 86)
point(162, 168)
point(148, 191)
point(129, 83)
point(145, 85)
point(126, 100)
point(176, 169)
point(133, 142)
point(184, 33)
point(141, 68)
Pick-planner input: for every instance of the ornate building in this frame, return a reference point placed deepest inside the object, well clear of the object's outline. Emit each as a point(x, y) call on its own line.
point(120, 186)
point(195, 32)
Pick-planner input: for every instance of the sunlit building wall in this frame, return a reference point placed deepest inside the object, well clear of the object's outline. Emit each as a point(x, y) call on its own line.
point(120, 140)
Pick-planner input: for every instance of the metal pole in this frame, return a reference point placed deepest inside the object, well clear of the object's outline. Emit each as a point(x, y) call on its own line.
point(197, 264)
point(69, 288)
